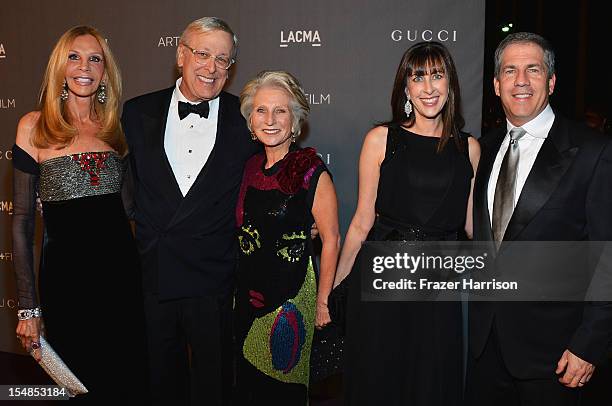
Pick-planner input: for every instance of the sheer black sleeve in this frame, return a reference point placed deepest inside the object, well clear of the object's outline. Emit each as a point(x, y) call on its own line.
point(127, 187)
point(25, 186)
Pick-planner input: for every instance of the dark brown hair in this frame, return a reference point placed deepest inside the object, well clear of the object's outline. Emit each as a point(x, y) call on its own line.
point(421, 58)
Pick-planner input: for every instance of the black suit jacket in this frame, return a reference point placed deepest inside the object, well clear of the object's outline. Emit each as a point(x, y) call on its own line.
point(566, 197)
point(187, 244)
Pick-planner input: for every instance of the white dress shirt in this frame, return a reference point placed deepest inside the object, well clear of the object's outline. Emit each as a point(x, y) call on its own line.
point(529, 145)
point(188, 142)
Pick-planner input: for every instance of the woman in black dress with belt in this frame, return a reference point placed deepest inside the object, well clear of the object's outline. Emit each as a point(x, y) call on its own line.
point(415, 180)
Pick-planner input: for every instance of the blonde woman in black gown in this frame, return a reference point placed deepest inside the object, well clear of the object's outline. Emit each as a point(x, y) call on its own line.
point(69, 153)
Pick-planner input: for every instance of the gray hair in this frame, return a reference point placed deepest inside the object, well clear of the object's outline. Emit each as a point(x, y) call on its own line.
point(526, 38)
point(282, 80)
point(207, 24)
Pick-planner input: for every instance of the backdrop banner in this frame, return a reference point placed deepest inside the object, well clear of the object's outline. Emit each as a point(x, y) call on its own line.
point(344, 52)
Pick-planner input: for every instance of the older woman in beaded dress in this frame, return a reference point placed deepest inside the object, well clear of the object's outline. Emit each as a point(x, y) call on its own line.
point(284, 190)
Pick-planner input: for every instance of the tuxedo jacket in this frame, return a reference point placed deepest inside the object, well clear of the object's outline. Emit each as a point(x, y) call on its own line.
point(567, 196)
point(187, 244)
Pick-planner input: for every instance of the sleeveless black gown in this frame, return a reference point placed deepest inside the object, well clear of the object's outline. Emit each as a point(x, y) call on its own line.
point(410, 353)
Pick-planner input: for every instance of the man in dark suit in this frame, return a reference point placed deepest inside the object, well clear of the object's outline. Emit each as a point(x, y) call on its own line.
point(188, 145)
point(542, 178)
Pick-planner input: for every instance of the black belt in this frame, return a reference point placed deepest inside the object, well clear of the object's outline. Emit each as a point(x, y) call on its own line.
point(386, 229)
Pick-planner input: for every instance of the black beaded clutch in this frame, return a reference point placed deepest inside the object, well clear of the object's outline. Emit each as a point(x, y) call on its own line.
point(327, 354)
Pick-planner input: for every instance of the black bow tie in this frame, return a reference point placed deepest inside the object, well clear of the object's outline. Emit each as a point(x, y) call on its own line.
point(201, 109)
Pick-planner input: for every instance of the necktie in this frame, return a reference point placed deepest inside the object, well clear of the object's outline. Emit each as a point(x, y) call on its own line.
point(503, 203)
point(184, 109)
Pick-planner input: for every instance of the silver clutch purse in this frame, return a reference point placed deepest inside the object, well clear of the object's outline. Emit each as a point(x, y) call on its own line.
point(58, 371)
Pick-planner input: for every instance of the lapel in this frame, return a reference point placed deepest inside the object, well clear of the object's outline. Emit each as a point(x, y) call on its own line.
point(195, 195)
point(482, 219)
point(553, 160)
point(154, 125)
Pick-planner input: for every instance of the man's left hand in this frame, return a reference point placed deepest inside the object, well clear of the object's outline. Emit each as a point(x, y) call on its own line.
point(577, 371)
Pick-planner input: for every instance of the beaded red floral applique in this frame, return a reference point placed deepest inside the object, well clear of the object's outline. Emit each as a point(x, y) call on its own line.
point(92, 163)
point(297, 164)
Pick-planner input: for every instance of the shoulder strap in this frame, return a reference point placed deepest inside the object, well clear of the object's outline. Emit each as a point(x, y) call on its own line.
point(393, 144)
point(464, 141)
point(392, 140)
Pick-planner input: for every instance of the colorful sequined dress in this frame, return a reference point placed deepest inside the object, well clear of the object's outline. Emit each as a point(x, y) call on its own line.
point(276, 292)
point(89, 280)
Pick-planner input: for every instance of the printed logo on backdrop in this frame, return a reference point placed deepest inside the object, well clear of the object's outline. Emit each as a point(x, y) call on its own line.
point(8, 154)
point(315, 99)
point(319, 99)
point(424, 35)
point(326, 158)
point(6, 206)
point(8, 302)
point(290, 38)
point(7, 103)
point(168, 41)
point(2, 51)
point(6, 256)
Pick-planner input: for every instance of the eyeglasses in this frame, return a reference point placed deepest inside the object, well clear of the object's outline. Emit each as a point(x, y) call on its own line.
point(221, 62)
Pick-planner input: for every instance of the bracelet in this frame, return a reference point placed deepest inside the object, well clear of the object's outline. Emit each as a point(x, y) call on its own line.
point(26, 314)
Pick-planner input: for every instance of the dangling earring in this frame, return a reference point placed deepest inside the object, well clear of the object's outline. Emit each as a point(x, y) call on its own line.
point(408, 107)
point(64, 92)
point(293, 137)
point(253, 136)
point(101, 96)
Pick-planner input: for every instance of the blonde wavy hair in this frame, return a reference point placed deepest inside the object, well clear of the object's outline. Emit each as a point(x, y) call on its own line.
point(53, 128)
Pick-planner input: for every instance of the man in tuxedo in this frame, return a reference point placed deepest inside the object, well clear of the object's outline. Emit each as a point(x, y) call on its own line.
point(188, 145)
point(541, 178)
